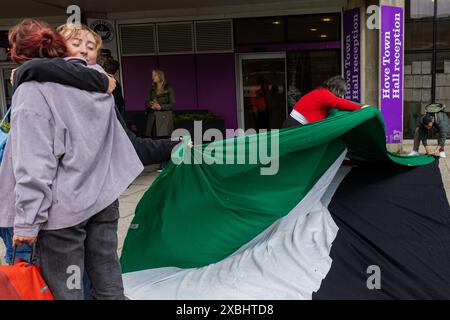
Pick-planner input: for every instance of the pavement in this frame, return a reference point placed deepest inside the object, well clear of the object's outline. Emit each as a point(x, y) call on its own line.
point(130, 198)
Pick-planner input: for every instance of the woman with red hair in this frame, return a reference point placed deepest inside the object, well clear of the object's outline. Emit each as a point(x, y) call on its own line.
point(85, 78)
point(64, 167)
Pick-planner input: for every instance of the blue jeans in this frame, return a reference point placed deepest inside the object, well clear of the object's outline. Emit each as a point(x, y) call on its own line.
point(23, 251)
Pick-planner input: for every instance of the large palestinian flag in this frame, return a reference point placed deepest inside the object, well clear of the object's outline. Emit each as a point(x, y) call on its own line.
point(377, 227)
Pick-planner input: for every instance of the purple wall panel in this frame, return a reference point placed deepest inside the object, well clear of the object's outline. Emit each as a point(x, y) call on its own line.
point(180, 74)
point(137, 79)
point(217, 86)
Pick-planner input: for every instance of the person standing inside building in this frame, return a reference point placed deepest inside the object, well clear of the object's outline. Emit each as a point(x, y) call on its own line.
point(437, 121)
point(261, 105)
point(159, 103)
point(315, 105)
point(111, 66)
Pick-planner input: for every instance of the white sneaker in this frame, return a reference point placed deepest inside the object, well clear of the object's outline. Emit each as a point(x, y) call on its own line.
point(413, 153)
point(442, 154)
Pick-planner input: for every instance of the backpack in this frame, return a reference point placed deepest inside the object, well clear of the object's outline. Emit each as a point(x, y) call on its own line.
point(3, 135)
point(437, 111)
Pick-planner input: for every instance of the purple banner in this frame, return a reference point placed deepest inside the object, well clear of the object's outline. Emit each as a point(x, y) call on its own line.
point(391, 72)
point(352, 54)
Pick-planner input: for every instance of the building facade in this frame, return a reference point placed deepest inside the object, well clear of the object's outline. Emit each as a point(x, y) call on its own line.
point(217, 59)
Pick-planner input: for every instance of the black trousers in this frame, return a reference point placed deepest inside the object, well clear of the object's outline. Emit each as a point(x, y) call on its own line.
point(92, 245)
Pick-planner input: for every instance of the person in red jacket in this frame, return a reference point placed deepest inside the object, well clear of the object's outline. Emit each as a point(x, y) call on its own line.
point(260, 104)
point(314, 106)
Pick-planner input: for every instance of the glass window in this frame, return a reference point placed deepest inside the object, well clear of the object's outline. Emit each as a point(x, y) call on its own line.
point(417, 89)
point(259, 30)
point(419, 35)
point(443, 8)
point(443, 78)
point(4, 39)
point(309, 69)
point(314, 28)
point(419, 9)
point(443, 63)
point(443, 35)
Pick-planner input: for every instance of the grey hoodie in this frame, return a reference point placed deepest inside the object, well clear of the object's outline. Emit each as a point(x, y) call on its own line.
point(67, 158)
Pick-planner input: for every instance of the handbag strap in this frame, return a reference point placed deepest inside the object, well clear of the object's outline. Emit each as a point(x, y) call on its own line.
point(5, 117)
point(31, 255)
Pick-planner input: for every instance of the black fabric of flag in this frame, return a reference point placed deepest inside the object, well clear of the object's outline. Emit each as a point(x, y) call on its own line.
point(398, 220)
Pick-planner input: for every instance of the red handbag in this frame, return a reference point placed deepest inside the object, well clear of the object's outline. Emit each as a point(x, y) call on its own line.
point(23, 281)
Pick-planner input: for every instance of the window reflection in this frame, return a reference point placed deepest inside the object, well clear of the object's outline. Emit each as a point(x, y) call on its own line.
point(314, 28)
point(443, 78)
point(443, 35)
point(6, 95)
point(259, 30)
point(419, 35)
point(419, 9)
point(308, 70)
point(264, 93)
point(3, 45)
point(305, 28)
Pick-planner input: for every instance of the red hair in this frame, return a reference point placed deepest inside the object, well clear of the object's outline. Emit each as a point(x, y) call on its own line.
point(33, 38)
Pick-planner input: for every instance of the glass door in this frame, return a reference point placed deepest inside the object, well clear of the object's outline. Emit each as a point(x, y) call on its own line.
point(261, 90)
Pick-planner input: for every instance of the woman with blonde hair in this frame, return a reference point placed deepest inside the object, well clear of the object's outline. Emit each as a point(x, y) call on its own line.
point(72, 34)
point(160, 102)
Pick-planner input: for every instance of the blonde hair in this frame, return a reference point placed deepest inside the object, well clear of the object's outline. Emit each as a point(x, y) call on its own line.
point(162, 77)
point(70, 30)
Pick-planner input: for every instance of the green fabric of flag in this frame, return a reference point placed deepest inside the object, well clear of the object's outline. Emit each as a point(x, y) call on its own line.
point(197, 214)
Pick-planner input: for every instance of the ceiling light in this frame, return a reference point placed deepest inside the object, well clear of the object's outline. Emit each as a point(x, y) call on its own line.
point(324, 36)
point(276, 22)
point(326, 19)
point(313, 29)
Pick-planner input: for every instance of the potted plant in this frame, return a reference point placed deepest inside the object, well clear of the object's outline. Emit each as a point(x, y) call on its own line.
point(209, 120)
